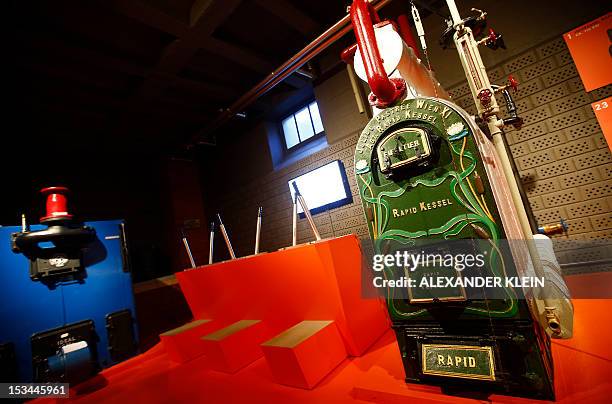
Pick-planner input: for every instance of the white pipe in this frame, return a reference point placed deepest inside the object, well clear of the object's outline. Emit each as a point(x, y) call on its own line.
point(452, 7)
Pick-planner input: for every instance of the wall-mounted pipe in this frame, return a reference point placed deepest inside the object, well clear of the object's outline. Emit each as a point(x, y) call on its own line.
point(355, 85)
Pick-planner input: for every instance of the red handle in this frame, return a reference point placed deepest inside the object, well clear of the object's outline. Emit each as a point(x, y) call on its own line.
point(379, 83)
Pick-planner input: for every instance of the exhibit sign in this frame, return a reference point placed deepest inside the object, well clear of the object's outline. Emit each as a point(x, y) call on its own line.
point(603, 112)
point(591, 48)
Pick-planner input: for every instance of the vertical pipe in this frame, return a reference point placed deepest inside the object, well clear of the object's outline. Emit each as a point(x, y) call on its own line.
point(454, 12)
point(378, 80)
point(356, 90)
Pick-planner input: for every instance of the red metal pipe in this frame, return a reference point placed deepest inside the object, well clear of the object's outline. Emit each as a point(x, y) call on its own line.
point(331, 35)
point(406, 33)
point(378, 80)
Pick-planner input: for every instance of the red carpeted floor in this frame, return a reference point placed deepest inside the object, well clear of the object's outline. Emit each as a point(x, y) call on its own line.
point(583, 373)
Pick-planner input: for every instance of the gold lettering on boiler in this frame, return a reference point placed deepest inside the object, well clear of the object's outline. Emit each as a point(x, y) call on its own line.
point(423, 206)
point(457, 361)
point(428, 112)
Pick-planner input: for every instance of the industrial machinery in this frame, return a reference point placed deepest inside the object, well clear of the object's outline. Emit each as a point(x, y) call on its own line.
point(434, 180)
point(66, 302)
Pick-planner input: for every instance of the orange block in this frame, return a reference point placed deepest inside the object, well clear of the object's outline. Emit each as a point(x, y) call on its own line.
point(305, 353)
point(183, 343)
point(235, 346)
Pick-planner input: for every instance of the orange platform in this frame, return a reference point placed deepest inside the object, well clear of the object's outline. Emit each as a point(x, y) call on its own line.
point(583, 373)
point(321, 287)
point(317, 281)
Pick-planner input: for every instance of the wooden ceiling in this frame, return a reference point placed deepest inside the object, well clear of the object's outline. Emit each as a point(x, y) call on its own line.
point(145, 75)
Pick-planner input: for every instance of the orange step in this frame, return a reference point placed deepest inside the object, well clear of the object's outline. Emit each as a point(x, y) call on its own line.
point(235, 346)
point(184, 343)
point(305, 353)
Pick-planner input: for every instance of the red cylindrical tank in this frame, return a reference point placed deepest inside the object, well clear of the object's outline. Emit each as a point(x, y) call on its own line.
point(57, 203)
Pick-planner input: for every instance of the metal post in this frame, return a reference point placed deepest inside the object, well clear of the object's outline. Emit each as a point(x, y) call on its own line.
point(188, 250)
point(258, 231)
point(24, 223)
point(211, 243)
point(302, 202)
point(226, 237)
point(294, 242)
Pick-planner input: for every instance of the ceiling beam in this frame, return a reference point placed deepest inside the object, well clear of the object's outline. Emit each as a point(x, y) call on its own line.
point(149, 16)
point(82, 58)
point(180, 52)
point(295, 17)
point(237, 55)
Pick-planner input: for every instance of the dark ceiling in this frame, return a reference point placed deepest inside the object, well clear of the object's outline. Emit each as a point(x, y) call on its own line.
point(146, 75)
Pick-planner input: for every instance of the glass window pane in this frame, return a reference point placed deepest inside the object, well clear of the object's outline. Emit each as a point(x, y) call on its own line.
point(304, 124)
point(316, 118)
point(290, 132)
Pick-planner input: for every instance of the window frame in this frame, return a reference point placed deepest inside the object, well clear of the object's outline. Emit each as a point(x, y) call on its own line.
point(301, 143)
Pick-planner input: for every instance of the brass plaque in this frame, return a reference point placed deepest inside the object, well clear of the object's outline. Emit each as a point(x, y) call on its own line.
point(462, 361)
point(403, 147)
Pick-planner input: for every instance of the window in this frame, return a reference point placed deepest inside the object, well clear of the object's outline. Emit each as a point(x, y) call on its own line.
point(323, 188)
point(302, 125)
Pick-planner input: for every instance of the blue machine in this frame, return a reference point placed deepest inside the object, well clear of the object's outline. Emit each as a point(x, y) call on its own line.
point(65, 327)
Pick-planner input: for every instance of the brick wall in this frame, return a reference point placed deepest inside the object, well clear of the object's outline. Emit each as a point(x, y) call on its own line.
point(563, 159)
